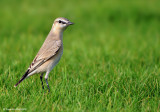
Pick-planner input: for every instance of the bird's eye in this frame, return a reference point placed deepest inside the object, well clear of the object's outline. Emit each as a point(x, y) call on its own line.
point(60, 21)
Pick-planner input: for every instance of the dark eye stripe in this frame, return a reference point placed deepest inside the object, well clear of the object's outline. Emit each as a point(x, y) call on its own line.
point(62, 22)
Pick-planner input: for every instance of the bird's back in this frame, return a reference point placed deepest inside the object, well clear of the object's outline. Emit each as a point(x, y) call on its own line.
point(51, 48)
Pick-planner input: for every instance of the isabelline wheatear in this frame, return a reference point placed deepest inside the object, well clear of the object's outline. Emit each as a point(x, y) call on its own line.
point(50, 52)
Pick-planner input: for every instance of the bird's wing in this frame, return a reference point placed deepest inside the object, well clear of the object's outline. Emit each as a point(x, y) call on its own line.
point(46, 52)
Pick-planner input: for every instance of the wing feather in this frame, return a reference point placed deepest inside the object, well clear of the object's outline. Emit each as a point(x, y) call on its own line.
point(46, 52)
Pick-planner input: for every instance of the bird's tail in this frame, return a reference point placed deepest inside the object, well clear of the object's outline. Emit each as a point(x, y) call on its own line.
point(24, 76)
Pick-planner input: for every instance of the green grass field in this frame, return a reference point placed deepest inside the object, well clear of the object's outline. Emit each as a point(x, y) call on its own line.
point(111, 58)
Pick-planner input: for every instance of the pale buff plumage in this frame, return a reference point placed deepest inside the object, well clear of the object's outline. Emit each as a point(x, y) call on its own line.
point(50, 52)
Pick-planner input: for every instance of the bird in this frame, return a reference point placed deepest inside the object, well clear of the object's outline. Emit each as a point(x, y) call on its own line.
point(50, 52)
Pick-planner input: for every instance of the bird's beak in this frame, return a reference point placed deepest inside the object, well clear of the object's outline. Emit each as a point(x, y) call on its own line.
point(70, 23)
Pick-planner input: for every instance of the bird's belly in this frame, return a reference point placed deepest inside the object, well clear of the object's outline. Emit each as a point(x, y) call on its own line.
point(49, 65)
point(53, 62)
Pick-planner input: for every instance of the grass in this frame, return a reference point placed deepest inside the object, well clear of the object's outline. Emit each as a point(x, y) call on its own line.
point(111, 59)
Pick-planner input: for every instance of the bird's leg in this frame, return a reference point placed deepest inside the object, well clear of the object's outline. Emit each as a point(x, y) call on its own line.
point(46, 77)
point(47, 85)
point(41, 80)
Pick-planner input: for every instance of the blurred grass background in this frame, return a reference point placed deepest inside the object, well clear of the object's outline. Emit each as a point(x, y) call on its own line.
point(111, 59)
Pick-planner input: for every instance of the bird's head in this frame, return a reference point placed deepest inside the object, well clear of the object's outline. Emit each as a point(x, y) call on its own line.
point(61, 23)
